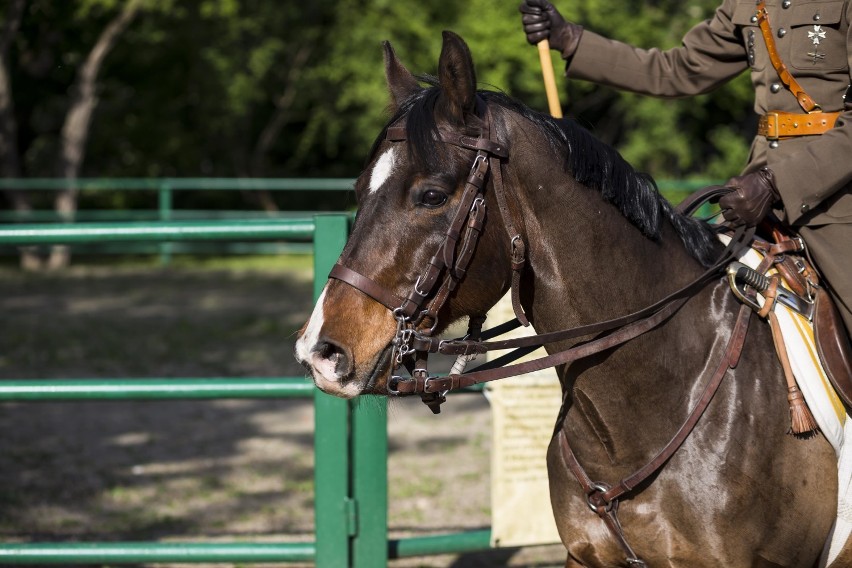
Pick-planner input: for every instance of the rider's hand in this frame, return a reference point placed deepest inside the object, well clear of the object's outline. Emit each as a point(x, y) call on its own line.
point(751, 198)
point(542, 21)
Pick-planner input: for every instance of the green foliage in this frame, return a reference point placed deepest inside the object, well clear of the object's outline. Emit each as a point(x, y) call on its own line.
point(191, 87)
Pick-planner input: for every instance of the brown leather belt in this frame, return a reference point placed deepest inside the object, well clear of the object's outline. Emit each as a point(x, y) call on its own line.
point(778, 124)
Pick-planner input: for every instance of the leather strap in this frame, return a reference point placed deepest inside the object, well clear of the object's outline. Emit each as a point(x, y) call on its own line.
point(462, 347)
point(495, 147)
point(376, 291)
point(709, 194)
point(517, 241)
point(454, 382)
point(778, 124)
point(805, 101)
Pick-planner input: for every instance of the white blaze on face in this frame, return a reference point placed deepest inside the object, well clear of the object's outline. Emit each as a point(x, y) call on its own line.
point(306, 343)
point(382, 170)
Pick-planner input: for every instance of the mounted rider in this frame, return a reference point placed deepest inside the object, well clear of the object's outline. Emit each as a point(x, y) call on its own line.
point(800, 162)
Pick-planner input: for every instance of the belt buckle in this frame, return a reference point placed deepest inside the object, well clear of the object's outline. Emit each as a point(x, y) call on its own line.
point(768, 125)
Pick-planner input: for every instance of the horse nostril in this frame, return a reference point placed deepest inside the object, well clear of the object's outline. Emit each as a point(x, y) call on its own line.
point(333, 355)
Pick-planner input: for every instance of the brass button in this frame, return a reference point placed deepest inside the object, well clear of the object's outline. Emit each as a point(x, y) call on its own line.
point(775, 87)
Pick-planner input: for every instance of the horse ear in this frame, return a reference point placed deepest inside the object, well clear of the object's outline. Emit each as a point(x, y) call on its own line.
point(457, 78)
point(401, 82)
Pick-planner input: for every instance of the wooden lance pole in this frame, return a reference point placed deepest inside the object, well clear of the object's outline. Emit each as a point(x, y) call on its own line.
point(549, 79)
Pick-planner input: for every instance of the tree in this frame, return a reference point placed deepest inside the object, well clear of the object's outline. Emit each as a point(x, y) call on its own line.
point(78, 120)
point(700, 137)
point(296, 89)
point(81, 101)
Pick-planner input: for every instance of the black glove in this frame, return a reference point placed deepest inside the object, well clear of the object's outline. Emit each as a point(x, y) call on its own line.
point(750, 199)
point(542, 21)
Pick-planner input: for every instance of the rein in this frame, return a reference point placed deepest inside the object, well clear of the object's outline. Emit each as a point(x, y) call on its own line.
point(417, 318)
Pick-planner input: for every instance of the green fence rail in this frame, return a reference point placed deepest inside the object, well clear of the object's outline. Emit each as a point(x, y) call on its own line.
point(166, 231)
point(153, 389)
point(164, 210)
point(165, 188)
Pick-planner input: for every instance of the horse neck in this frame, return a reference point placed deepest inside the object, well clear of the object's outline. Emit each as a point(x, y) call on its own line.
point(588, 263)
point(604, 266)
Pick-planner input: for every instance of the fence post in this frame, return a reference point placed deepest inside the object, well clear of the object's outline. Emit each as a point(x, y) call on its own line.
point(332, 501)
point(370, 480)
point(165, 207)
point(351, 451)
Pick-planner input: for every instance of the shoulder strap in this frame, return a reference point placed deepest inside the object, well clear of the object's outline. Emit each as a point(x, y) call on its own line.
point(805, 101)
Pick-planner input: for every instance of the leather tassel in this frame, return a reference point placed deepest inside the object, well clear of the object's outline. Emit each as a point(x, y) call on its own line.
point(801, 419)
point(802, 422)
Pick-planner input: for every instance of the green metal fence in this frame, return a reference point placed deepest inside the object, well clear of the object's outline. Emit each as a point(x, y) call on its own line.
point(163, 209)
point(350, 436)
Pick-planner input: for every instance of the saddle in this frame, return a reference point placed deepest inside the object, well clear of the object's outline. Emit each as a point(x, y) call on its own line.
point(788, 254)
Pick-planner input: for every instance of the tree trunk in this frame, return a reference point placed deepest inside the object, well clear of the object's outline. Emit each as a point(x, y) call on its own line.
point(75, 130)
point(10, 159)
point(276, 123)
point(10, 165)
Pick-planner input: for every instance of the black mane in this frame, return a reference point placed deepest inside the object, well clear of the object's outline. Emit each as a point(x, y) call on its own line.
point(590, 161)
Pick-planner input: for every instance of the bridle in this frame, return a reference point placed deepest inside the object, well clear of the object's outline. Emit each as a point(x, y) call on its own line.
point(417, 316)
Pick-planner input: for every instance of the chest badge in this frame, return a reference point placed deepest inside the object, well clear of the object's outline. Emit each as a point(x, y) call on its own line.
point(817, 34)
point(816, 56)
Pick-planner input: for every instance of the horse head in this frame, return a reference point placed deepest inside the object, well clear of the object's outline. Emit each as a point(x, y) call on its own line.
point(413, 240)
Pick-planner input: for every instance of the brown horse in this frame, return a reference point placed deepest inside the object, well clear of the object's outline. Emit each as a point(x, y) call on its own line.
point(599, 242)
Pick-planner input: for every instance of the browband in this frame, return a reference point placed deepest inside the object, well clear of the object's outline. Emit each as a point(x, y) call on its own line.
point(398, 134)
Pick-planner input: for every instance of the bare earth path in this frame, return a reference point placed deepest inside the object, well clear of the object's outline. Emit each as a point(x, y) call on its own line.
point(193, 470)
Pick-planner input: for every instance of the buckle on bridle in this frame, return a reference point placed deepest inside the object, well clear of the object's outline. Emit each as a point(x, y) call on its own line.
point(393, 383)
point(433, 400)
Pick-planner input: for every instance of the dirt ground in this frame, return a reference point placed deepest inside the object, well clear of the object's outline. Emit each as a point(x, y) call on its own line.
point(194, 470)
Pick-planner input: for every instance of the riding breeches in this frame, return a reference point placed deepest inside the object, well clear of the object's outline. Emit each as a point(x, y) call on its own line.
point(831, 249)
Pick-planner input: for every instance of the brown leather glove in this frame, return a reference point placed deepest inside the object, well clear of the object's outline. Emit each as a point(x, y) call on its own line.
point(541, 20)
point(750, 199)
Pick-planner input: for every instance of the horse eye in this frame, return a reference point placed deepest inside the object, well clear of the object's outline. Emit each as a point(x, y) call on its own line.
point(433, 198)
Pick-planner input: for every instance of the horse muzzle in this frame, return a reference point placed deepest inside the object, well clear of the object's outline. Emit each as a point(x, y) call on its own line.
point(345, 355)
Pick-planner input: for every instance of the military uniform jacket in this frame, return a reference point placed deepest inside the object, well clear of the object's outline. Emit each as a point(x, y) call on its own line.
point(814, 40)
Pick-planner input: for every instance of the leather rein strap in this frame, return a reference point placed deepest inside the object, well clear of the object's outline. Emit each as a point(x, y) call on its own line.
point(623, 329)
